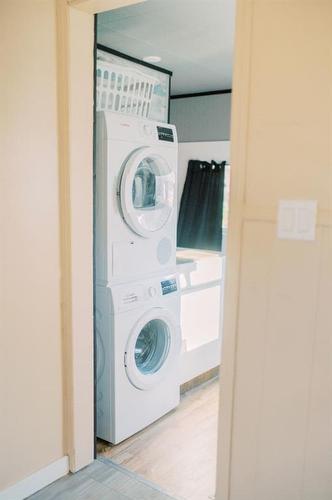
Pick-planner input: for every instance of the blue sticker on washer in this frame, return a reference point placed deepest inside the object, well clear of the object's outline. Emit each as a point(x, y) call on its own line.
point(168, 286)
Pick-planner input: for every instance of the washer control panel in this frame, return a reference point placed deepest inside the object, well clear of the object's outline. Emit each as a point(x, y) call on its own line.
point(126, 297)
point(169, 286)
point(152, 291)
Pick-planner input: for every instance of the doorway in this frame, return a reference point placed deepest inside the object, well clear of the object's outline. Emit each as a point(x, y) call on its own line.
point(203, 147)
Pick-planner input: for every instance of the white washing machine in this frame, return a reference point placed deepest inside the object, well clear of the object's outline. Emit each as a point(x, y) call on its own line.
point(136, 186)
point(138, 351)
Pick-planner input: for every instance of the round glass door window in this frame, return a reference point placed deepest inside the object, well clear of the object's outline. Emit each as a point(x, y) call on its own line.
point(152, 347)
point(147, 192)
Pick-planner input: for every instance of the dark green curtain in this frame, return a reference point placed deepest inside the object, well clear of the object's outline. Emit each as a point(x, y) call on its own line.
point(201, 209)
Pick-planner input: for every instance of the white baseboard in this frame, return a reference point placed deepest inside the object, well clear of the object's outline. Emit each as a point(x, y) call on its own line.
point(36, 481)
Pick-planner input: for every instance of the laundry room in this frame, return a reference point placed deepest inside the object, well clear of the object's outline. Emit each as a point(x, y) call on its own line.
point(161, 188)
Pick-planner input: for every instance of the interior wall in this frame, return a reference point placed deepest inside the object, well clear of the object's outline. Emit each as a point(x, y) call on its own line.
point(276, 410)
point(202, 118)
point(31, 419)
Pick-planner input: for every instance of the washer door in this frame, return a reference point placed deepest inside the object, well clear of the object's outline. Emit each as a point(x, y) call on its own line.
point(147, 191)
point(153, 346)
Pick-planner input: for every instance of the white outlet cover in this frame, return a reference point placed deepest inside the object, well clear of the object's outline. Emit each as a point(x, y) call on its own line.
point(297, 220)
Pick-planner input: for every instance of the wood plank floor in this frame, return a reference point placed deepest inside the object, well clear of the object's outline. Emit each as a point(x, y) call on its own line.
point(178, 452)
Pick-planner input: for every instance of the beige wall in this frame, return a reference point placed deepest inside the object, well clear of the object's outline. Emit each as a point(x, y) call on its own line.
point(277, 435)
point(31, 428)
point(46, 315)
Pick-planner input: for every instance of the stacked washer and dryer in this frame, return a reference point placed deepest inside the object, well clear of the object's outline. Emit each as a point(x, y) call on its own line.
point(137, 301)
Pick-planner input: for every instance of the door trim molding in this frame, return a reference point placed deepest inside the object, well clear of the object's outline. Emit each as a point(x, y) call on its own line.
point(239, 131)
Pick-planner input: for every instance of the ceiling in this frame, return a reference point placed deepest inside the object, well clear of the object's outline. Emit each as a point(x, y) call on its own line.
point(194, 38)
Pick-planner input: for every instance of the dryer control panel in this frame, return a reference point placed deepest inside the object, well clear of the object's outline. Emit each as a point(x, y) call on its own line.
point(121, 127)
point(165, 134)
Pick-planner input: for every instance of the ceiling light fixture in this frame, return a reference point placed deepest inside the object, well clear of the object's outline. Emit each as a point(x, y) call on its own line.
point(152, 59)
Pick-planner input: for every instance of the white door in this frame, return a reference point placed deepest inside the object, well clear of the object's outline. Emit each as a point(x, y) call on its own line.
point(152, 349)
point(147, 191)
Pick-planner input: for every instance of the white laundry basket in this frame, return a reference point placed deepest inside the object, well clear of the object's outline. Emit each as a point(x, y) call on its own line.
point(122, 89)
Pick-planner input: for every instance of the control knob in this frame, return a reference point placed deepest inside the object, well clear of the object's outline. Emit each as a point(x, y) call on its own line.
point(152, 291)
point(147, 130)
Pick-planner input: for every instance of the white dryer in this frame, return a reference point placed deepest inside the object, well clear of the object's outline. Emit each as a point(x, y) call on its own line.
point(136, 186)
point(138, 350)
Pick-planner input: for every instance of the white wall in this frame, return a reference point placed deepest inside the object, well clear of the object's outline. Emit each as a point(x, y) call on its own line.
point(202, 118)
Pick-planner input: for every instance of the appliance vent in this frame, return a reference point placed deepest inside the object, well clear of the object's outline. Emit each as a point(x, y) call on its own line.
point(130, 298)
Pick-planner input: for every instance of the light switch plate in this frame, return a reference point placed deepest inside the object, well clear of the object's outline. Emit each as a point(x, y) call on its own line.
point(297, 220)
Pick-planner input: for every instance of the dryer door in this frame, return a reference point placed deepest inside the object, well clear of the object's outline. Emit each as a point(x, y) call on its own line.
point(152, 349)
point(147, 191)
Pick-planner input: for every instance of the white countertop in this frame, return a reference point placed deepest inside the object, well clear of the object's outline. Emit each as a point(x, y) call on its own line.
point(199, 267)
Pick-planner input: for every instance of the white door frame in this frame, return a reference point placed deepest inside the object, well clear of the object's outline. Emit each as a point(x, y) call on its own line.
point(75, 54)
